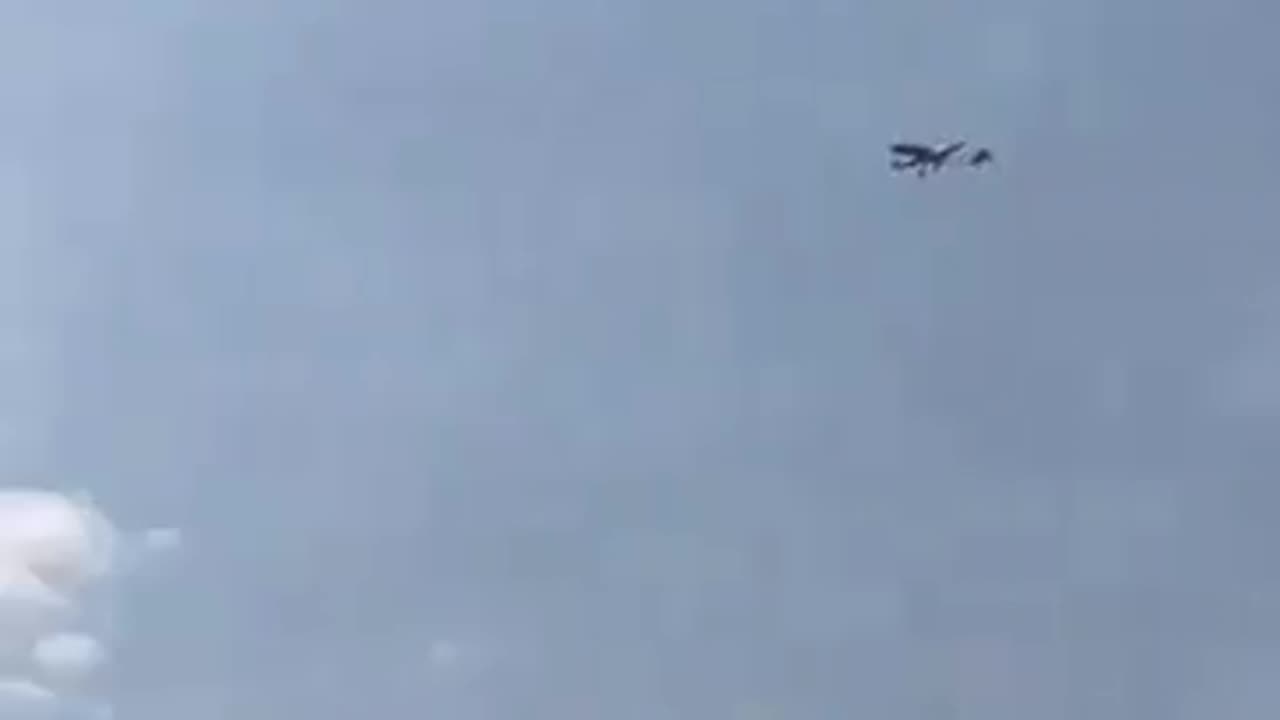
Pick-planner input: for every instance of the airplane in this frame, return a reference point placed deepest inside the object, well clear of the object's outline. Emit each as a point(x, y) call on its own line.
point(922, 157)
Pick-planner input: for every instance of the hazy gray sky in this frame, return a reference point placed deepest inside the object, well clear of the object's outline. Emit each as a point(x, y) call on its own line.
point(594, 341)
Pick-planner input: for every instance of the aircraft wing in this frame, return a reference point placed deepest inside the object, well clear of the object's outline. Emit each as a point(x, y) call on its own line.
point(917, 151)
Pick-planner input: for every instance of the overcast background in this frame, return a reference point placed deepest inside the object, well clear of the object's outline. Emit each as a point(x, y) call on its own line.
point(571, 359)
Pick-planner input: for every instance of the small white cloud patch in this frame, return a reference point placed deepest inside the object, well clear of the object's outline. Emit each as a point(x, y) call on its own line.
point(68, 660)
point(22, 699)
point(162, 539)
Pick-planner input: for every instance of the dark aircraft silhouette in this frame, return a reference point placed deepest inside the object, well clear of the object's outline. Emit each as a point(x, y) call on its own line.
point(922, 157)
point(981, 157)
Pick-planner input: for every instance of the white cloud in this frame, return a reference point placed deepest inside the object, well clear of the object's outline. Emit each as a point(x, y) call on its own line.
point(68, 660)
point(63, 541)
point(162, 539)
point(53, 549)
point(22, 699)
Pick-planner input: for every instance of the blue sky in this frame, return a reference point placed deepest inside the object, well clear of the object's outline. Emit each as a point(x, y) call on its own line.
point(591, 347)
